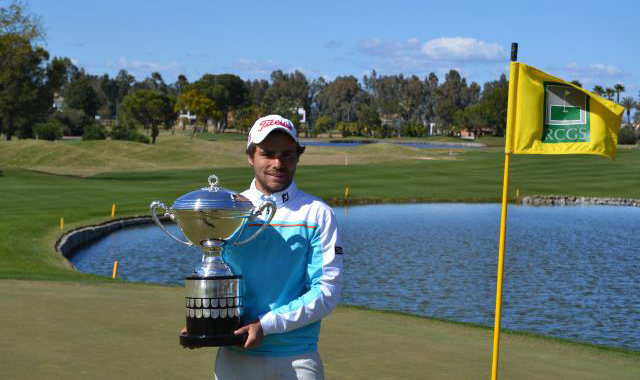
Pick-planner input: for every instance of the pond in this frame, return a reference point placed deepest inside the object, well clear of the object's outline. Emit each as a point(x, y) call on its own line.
point(425, 145)
point(570, 272)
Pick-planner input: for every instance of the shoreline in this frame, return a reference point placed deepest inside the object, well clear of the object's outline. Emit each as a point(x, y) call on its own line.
point(572, 200)
point(531, 200)
point(67, 243)
point(452, 144)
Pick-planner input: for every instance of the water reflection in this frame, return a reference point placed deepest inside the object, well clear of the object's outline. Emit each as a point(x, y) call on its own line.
point(569, 271)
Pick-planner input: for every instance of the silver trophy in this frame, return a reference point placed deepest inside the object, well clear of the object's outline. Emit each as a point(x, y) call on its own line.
point(210, 218)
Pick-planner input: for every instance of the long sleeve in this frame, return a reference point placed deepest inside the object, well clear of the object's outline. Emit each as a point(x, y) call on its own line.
point(323, 282)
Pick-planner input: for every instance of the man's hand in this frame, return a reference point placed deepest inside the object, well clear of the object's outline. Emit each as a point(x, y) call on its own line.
point(184, 332)
point(254, 334)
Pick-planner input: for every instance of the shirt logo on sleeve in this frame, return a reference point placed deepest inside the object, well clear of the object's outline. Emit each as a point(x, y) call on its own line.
point(338, 250)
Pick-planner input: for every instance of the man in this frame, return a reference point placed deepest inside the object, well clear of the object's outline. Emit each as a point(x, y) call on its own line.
point(291, 272)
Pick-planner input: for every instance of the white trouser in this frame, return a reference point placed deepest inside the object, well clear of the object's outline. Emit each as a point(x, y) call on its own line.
point(232, 365)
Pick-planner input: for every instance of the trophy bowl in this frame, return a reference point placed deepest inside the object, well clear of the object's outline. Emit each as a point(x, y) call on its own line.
point(210, 218)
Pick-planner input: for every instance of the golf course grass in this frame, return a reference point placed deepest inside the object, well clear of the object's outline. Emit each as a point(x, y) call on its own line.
point(74, 325)
point(69, 330)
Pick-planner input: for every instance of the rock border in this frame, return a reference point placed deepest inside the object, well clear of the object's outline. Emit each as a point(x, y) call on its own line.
point(67, 245)
point(572, 200)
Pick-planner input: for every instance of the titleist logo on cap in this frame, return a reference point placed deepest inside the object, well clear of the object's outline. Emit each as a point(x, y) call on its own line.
point(266, 123)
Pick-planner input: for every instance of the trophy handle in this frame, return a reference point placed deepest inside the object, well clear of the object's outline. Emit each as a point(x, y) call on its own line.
point(272, 213)
point(159, 205)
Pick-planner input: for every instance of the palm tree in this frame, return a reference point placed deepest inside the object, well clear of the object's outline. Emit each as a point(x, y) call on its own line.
point(181, 83)
point(628, 103)
point(618, 88)
point(598, 90)
point(158, 82)
point(610, 91)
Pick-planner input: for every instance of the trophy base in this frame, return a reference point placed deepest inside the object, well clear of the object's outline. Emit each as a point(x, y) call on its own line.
point(212, 340)
point(214, 310)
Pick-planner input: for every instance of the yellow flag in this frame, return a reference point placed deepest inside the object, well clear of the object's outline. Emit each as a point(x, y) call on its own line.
point(547, 115)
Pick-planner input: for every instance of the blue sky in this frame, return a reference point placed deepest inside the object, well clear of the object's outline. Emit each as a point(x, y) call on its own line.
point(594, 42)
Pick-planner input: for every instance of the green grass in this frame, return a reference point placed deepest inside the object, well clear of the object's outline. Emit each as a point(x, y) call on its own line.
point(83, 158)
point(227, 136)
point(178, 152)
point(70, 330)
point(489, 141)
point(478, 176)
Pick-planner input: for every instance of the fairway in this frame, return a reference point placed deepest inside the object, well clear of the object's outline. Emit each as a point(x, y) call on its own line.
point(177, 152)
point(62, 330)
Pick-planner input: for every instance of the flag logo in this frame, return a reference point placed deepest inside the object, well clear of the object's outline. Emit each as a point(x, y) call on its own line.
point(566, 114)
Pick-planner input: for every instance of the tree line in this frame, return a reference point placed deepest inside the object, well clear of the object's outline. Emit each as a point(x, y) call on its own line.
point(49, 98)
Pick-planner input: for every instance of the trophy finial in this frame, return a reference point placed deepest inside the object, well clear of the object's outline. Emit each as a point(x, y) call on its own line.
point(213, 181)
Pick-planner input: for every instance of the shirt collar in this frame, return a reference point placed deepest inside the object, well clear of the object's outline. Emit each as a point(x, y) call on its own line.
point(280, 198)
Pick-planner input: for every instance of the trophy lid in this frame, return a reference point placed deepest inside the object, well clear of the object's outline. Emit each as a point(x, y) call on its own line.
point(212, 198)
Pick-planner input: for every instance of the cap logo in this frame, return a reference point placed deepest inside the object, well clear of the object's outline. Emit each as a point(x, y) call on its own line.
point(270, 122)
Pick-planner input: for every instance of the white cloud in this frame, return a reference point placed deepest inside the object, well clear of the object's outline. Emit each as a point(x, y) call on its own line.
point(132, 65)
point(255, 68)
point(252, 68)
point(591, 74)
point(411, 56)
point(462, 49)
point(598, 69)
point(411, 53)
point(141, 69)
point(607, 69)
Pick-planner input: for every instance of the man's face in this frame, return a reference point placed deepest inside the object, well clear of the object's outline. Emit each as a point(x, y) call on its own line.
point(274, 163)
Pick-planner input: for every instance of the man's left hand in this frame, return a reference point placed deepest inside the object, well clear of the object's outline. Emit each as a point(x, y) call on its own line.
point(254, 334)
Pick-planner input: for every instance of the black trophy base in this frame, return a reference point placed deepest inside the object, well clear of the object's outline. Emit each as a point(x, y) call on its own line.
point(212, 340)
point(214, 310)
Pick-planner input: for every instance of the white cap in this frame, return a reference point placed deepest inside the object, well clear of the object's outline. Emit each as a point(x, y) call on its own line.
point(265, 125)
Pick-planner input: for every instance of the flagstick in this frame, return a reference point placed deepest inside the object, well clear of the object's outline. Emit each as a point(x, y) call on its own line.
point(503, 232)
point(503, 219)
